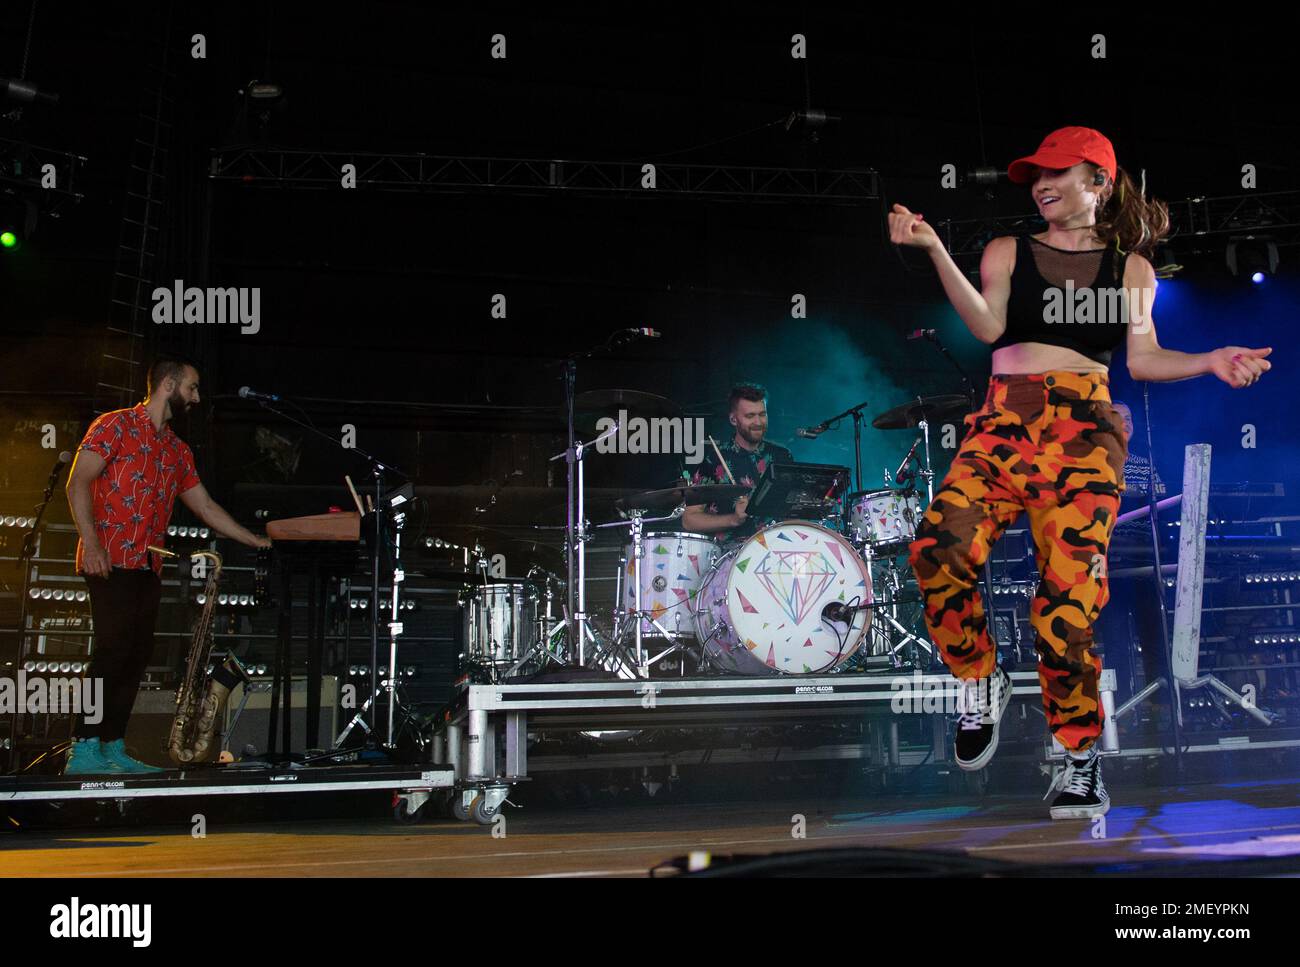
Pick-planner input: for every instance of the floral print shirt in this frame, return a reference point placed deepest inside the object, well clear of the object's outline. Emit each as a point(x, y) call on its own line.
point(132, 499)
point(746, 466)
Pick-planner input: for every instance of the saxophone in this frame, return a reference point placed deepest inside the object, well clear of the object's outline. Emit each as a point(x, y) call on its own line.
point(201, 696)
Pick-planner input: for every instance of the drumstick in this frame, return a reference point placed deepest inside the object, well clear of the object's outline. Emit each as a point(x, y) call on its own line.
point(361, 511)
point(722, 461)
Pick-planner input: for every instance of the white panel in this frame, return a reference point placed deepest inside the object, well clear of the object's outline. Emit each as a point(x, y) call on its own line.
point(1191, 561)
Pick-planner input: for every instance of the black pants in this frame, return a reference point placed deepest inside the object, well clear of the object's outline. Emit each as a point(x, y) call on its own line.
point(125, 609)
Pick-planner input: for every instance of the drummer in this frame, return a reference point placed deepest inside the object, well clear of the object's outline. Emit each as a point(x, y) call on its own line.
point(747, 454)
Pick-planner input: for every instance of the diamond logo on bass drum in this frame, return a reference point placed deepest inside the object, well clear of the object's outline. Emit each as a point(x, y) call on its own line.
point(795, 580)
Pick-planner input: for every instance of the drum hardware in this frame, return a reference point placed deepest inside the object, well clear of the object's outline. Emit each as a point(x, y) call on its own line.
point(548, 626)
point(575, 532)
point(890, 583)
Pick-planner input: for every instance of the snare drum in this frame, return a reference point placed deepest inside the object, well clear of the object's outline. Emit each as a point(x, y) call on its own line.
point(884, 520)
point(674, 563)
point(761, 611)
point(502, 620)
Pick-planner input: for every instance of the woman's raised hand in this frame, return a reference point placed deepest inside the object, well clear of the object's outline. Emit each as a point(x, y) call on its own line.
point(908, 228)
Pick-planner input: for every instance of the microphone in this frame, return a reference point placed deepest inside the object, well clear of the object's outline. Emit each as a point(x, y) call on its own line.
point(907, 458)
point(922, 334)
point(986, 176)
point(25, 92)
point(843, 613)
point(645, 332)
point(63, 457)
point(812, 432)
point(837, 613)
point(246, 393)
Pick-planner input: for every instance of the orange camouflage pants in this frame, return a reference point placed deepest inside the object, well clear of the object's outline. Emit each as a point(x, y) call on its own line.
point(1051, 445)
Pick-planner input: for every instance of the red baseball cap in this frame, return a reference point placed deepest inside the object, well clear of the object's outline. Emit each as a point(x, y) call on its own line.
point(1065, 148)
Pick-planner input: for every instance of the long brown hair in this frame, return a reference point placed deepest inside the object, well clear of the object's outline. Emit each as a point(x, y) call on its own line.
point(1126, 217)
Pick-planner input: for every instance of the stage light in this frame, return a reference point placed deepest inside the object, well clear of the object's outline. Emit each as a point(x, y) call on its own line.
point(1252, 258)
point(8, 239)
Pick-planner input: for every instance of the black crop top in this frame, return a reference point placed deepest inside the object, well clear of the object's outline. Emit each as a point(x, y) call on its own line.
point(1075, 300)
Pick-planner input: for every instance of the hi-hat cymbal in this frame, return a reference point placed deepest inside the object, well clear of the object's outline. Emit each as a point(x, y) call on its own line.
point(932, 409)
point(670, 497)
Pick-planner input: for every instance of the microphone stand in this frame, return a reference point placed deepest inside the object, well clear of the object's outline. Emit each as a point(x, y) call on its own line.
point(25, 556)
point(856, 413)
point(377, 471)
point(986, 572)
point(970, 387)
point(575, 529)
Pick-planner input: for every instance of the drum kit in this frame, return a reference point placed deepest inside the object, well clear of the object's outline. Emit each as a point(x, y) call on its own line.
point(806, 595)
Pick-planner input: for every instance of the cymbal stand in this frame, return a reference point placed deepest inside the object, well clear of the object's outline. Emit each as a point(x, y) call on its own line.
point(986, 572)
point(576, 537)
point(546, 628)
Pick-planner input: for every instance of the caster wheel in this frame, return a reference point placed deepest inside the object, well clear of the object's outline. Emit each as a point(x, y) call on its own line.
point(480, 812)
point(458, 810)
point(403, 814)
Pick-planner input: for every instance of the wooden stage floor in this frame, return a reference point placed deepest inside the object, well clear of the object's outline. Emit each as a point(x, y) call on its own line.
point(1224, 820)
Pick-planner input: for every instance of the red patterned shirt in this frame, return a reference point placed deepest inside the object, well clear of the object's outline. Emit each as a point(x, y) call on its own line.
point(132, 499)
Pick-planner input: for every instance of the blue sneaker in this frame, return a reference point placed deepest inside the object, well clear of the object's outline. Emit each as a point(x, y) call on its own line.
point(115, 753)
point(86, 758)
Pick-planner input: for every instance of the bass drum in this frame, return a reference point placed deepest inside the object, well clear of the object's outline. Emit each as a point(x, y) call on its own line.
point(759, 611)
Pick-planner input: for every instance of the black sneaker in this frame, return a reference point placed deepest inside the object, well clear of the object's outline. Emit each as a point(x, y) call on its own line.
point(1083, 794)
point(985, 699)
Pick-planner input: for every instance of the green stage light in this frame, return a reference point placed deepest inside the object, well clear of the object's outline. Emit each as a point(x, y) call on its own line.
point(8, 239)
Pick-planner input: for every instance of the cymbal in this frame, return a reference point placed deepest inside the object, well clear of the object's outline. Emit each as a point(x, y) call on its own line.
point(932, 409)
point(670, 497)
point(594, 404)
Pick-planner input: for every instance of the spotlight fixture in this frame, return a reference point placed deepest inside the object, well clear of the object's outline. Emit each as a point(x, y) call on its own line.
point(1252, 258)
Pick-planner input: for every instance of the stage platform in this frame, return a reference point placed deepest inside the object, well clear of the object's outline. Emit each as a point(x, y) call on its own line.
point(240, 780)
